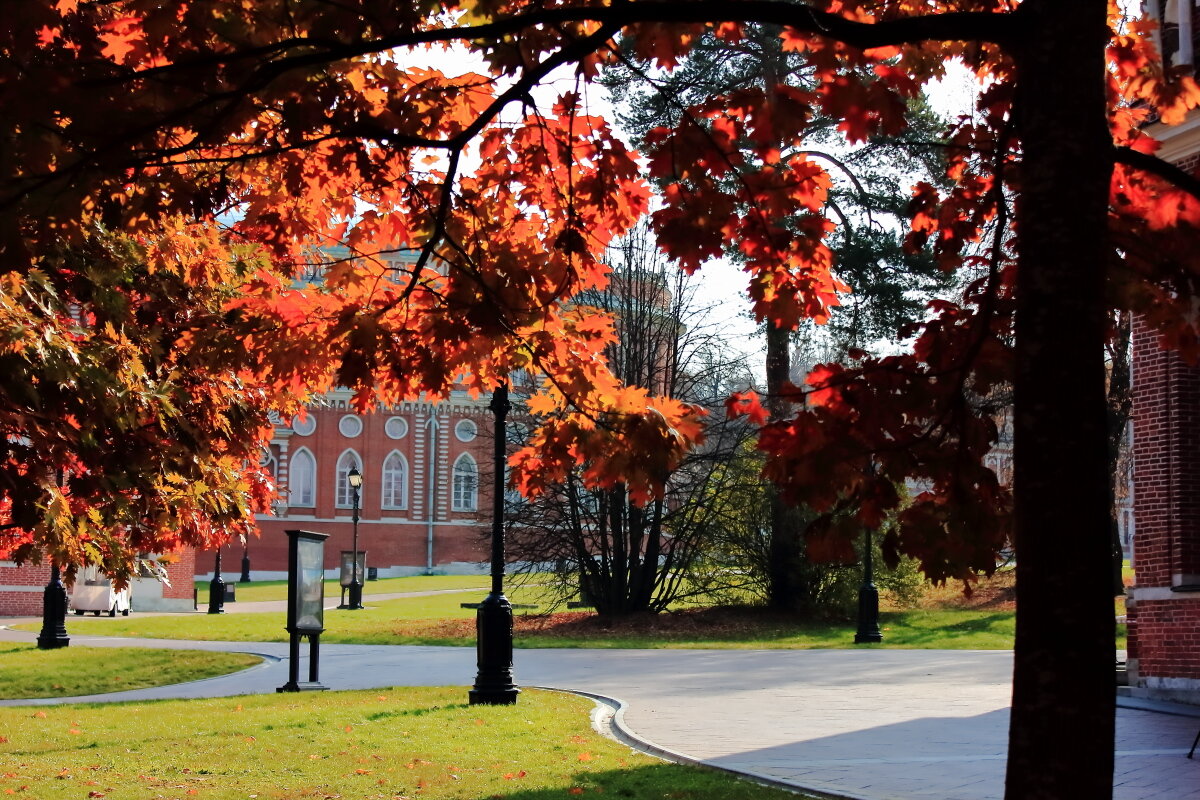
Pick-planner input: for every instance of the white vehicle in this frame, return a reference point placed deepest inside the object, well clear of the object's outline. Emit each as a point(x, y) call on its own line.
point(94, 592)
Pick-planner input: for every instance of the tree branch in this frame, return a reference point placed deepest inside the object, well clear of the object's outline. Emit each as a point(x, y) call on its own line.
point(1156, 166)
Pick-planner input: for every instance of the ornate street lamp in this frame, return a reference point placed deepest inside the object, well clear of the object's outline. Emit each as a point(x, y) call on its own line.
point(494, 620)
point(868, 602)
point(54, 613)
point(354, 478)
point(216, 588)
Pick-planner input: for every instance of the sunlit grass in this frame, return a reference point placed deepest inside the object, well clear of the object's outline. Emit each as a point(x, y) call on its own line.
point(257, 591)
point(393, 743)
point(27, 672)
point(439, 620)
point(945, 620)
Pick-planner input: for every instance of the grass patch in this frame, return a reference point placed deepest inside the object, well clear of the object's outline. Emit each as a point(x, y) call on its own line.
point(396, 743)
point(439, 621)
point(945, 619)
point(257, 591)
point(26, 672)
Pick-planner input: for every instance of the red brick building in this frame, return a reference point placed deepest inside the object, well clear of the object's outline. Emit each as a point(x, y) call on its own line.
point(21, 587)
point(421, 505)
point(1164, 604)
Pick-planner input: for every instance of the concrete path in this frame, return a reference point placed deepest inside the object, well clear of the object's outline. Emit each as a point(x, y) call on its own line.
point(869, 724)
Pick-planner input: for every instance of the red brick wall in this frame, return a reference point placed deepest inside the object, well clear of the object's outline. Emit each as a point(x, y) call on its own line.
point(180, 573)
point(1164, 614)
point(388, 544)
point(21, 589)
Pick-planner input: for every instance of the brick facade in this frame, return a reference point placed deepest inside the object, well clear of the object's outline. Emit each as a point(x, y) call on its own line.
point(1164, 605)
point(420, 530)
point(21, 589)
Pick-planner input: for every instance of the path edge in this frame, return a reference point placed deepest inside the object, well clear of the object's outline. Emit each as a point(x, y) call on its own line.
point(608, 719)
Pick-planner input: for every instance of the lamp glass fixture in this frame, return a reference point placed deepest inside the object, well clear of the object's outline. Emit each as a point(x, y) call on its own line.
point(354, 478)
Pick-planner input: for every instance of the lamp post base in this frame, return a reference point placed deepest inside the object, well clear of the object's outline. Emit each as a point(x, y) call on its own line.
point(54, 615)
point(494, 652)
point(216, 596)
point(868, 616)
point(354, 596)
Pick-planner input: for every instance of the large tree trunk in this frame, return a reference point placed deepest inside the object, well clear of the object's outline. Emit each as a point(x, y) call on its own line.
point(1061, 734)
point(785, 589)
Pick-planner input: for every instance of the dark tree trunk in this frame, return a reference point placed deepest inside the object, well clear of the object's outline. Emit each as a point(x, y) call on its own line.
point(785, 588)
point(1061, 734)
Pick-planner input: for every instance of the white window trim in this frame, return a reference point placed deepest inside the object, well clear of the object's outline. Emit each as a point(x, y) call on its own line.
point(403, 504)
point(459, 426)
point(295, 500)
point(399, 419)
point(352, 419)
point(456, 499)
point(342, 485)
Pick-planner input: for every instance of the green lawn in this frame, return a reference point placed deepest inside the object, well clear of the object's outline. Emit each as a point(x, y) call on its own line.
point(26, 672)
point(439, 620)
point(394, 743)
point(256, 591)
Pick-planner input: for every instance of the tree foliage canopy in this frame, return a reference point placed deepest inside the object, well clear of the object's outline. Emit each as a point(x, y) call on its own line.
point(189, 129)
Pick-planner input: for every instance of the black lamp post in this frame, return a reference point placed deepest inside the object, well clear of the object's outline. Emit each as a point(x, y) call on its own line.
point(54, 613)
point(494, 620)
point(354, 478)
point(245, 576)
point(216, 588)
point(868, 602)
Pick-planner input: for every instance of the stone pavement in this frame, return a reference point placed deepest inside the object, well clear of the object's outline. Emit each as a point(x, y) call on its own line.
point(863, 724)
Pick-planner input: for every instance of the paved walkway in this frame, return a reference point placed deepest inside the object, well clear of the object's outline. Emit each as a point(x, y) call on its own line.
point(863, 724)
